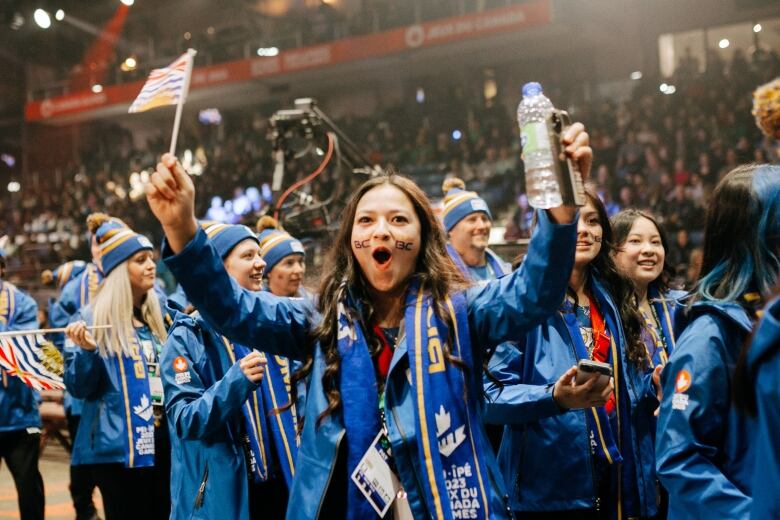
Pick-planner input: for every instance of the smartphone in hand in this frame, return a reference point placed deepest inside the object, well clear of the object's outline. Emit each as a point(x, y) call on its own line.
point(587, 368)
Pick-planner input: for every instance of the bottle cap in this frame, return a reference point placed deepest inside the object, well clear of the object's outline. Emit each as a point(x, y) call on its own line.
point(532, 89)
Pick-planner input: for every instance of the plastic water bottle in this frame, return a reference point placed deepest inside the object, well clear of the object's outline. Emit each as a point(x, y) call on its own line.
point(541, 183)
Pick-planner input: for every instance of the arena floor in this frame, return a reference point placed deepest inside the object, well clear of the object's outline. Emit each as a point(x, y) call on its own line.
point(54, 468)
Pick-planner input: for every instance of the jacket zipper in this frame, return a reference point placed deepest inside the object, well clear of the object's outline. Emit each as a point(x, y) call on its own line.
point(597, 500)
point(330, 473)
point(202, 488)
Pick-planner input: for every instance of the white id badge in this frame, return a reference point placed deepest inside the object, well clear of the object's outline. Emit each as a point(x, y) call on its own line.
point(375, 479)
point(147, 347)
point(156, 389)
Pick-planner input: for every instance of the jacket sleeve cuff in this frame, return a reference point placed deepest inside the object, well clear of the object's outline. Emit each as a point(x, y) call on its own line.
point(186, 255)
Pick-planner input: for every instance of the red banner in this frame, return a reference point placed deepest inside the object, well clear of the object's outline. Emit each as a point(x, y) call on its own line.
point(403, 39)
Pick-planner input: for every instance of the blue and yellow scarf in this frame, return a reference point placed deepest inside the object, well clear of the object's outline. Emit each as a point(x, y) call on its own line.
point(454, 483)
point(262, 421)
point(132, 373)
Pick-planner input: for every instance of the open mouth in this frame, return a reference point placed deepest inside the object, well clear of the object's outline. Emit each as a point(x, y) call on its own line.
point(647, 263)
point(382, 257)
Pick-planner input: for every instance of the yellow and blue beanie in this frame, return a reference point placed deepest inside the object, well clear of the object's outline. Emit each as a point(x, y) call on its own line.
point(275, 244)
point(459, 203)
point(64, 273)
point(117, 243)
point(225, 237)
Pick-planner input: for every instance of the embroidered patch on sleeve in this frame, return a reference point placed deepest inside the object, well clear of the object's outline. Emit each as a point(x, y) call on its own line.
point(681, 384)
point(181, 371)
point(180, 365)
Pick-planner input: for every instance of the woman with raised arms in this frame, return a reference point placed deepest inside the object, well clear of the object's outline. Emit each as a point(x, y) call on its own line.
point(398, 340)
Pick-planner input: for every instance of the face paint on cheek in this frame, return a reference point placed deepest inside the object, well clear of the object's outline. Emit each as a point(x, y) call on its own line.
point(365, 244)
point(404, 246)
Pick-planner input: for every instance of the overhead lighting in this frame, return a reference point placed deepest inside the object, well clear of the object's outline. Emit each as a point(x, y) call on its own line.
point(129, 64)
point(97, 88)
point(757, 28)
point(636, 75)
point(128, 3)
point(663, 87)
point(42, 18)
point(457, 134)
point(420, 95)
point(59, 15)
point(268, 51)
point(724, 43)
point(667, 89)
point(14, 186)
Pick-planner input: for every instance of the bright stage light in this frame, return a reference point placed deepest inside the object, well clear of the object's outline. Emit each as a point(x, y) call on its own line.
point(724, 43)
point(757, 28)
point(97, 88)
point(14, 186)
point(128, 3)
point(42, 18)
point(59, 15)
point(636, 75)
point(268, 51)
point(129, 64)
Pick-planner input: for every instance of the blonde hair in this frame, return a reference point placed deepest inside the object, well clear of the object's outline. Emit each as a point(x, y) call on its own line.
point(113, 305)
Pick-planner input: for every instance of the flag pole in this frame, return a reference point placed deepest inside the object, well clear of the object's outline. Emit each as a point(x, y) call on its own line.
point(180, 105)
point(46, 331)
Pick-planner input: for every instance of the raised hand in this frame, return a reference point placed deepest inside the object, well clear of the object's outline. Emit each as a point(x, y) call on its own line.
point(171, 197)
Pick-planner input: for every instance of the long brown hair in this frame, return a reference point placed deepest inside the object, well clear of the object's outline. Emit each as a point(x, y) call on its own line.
point(619, 287)
point(343, 275)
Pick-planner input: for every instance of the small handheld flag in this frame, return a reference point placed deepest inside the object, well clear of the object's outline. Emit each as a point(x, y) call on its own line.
point(34, 360)
point(167, 86)
point(28, 355)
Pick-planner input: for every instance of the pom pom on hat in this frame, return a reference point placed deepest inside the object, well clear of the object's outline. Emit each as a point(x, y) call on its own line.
point(266, 222)
point(766, 108)
point(451, 183)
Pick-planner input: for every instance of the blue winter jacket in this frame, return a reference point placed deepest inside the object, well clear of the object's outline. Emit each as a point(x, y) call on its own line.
point(764, 369)
point(501, 310)
point(203, 399)
point(102, 434)
point(545, 455)
point(18, 402)
point(74, 296)
point(704, 448)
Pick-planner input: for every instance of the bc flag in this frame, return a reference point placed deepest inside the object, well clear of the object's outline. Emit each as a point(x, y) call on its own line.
point(166, 86)
point(33, 359)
